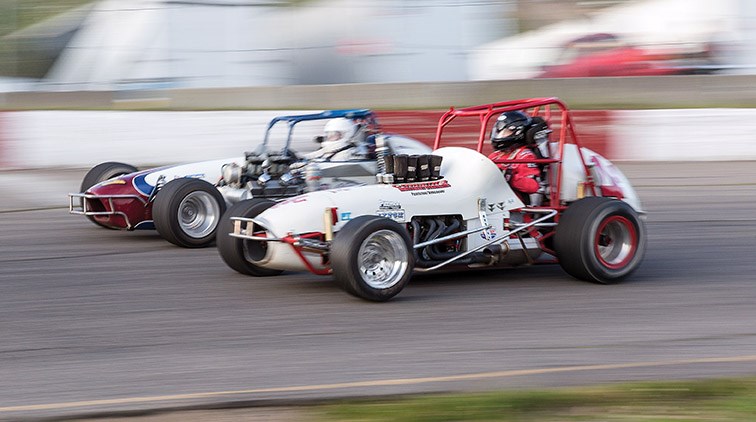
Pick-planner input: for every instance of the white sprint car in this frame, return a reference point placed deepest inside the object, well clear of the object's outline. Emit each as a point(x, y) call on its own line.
point(185, 202)
point(451, 208)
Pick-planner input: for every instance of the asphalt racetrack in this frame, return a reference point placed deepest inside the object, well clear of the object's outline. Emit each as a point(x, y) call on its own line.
point(94, 320)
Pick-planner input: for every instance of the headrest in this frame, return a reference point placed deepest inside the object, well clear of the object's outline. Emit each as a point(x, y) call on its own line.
point(538, 131)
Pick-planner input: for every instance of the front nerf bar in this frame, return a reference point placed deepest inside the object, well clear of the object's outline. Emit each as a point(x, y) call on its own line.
point(300, 243)
point(77, 204)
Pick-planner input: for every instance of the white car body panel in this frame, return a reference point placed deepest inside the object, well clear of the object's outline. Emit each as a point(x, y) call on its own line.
point(467, 178)
point(209, 171)
point(604, 173)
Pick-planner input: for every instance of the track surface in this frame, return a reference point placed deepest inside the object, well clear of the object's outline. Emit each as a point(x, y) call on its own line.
point(95, 320)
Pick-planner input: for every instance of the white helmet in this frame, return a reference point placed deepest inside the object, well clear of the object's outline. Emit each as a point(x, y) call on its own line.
point(338, 131)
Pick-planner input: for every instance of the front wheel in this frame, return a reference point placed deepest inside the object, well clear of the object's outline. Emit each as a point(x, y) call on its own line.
point(186, 212)
point(101, 173)
point(242, 254)
point(371, 258)
point(599, 239)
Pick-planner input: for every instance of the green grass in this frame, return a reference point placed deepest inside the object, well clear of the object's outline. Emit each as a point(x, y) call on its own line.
point(32, 58)
point(714, 400)
point(18, 14)
point(28, 57)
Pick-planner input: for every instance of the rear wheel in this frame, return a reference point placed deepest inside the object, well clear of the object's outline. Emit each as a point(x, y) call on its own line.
point(100, 173)
point(372, 258)
point(601, 240)
point(186, 212)
point(241, 254)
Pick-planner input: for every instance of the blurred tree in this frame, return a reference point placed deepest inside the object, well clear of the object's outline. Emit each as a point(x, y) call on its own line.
point(32, 33)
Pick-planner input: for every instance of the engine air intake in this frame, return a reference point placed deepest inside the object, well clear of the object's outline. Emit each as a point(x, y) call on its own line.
point(403, 168)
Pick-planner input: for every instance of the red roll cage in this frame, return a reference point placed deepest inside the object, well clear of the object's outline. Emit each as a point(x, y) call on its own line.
point(551, 109)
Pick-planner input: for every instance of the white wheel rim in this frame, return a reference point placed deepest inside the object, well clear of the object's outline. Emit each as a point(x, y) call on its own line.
point(382, 259)
point(198, 214)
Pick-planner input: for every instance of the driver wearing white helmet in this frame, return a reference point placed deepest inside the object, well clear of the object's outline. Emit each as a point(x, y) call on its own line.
point(339, 142)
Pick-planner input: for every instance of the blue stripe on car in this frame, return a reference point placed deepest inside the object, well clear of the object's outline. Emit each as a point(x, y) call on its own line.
point(141, 184)
point(145, 225)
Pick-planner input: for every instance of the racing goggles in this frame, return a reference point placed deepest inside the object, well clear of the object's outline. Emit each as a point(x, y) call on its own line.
point(501, 130)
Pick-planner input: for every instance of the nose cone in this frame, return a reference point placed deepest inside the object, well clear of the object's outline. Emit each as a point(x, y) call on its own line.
point(116, 186)
point(116, 203)
point(300, 214)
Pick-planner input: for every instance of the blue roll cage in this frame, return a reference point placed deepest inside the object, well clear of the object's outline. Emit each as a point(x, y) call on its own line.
point(292, 120)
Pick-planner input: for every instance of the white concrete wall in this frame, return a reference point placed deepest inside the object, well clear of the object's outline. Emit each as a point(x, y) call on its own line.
point(685, 135)
point(81, 139)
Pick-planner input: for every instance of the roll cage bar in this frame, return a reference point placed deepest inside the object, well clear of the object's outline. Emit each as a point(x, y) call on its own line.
point(550, 109)
point(363, 114)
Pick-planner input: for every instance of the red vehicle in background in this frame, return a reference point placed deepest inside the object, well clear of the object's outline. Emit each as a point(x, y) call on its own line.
point(606, 55)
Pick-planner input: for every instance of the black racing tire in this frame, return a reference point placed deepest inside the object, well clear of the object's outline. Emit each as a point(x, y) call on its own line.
point(100, 173)
point(600, 240)
point(371, 257)
point(240, 254)
point(186, 212)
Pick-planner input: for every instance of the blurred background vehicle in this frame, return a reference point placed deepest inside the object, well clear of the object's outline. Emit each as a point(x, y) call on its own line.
point(607, 55)
point(619, 36)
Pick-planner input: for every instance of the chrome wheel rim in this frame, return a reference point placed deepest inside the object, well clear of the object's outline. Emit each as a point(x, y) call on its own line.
point(616, 242)
point(198, 214)
point(382, 259)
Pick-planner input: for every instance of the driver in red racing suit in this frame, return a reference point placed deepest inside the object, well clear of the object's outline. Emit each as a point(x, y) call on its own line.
point(508, 141)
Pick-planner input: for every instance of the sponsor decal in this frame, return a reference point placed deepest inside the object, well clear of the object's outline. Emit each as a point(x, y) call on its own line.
point(192, 176)
point(389, 205)
point(396, 215)
point(345, 216)
point(489, 234)
point(424, 188)
point(113, 182)
point(391, 209)
point(294, 200)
